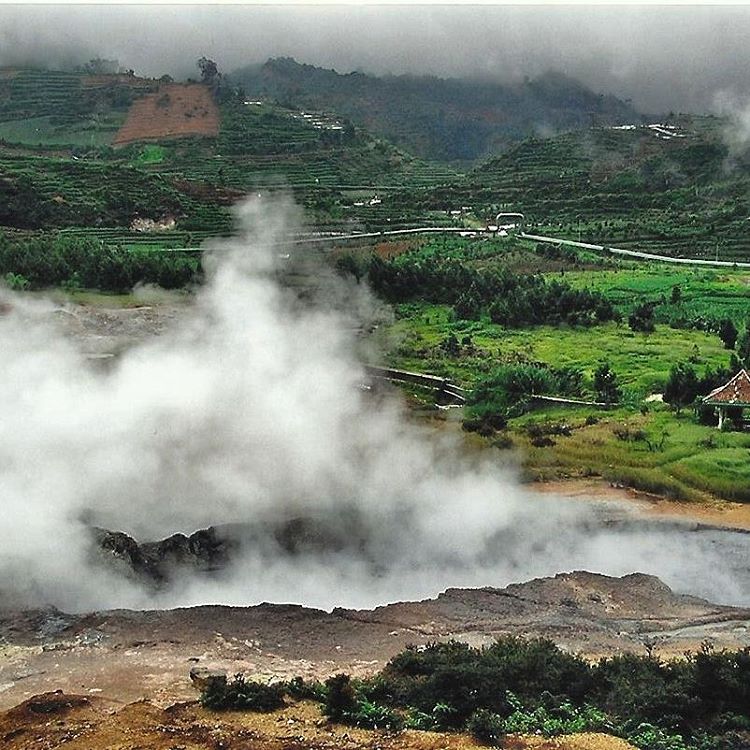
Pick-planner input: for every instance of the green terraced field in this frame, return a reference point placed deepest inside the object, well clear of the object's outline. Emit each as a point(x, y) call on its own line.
point(625, 188)
point(39, 93)
point(56, 131)
point(703, 292)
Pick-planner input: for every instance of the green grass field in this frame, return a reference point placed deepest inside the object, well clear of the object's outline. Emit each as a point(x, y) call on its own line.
point(703, 292)
point(642, 444)
point(641, 361)
point(50, 131)
point(695, 462)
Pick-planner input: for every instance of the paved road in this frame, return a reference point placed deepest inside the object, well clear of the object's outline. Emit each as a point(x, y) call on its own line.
point(636, 253)
point(537, 238)
point(468, 231)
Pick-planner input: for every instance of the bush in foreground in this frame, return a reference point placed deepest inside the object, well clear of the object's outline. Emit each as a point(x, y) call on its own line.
point(240, 694)
point(519, 686)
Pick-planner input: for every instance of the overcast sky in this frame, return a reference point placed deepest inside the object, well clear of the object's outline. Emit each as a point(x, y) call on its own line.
point(663, 57)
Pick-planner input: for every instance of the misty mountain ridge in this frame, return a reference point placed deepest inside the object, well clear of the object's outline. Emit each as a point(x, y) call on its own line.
point(448, 119)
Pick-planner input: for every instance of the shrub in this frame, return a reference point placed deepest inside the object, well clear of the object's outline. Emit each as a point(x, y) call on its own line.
point(701, 702)
point(554, 719)
point(486, 726)
point(642, 318)
point(340, 700)
point(682, 386)
point(16, 281)
point(51, 260)
point(239, 694)
point(508, 389)
point(345, 703)
point(606, 387)
point(370, 715)
point(302, 689)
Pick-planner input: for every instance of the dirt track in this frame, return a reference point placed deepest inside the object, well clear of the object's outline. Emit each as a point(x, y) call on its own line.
point(176, 109)
point(721, 513)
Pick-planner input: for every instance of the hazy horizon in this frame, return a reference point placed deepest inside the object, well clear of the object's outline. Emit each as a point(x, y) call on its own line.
point(683, 58)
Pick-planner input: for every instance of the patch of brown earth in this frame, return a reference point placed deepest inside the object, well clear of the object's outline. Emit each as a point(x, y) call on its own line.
point(80, 723)
point(720, 513)
point(175, 110)
point(388, 250)
point(224, 196)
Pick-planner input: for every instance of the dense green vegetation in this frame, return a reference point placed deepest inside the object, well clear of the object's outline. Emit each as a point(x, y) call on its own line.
point(635, 189)
point(438, 273)
point(513, 318)
point(706, 296)
point(641, 443)
point(518, 686)
point(61, 108)
point(57, 168)
point(681, 194)
point(74, 262)
point(240, 694)
point(45, 193)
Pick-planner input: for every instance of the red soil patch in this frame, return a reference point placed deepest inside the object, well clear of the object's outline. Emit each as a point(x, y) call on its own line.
point(175, 110)
point(388, 250)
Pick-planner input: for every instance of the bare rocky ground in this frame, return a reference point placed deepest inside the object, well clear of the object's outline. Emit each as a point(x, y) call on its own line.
point(114, 323)
point(126, 655)
point(124, 675)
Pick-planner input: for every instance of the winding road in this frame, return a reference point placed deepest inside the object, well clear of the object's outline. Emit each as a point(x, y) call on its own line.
point(534, 237)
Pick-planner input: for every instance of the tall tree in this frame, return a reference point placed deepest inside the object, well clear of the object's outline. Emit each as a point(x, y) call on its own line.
point(642, 318)
point(606, 386)
point(682, 386)
point(209, 72)
point(742, 347)
point(728, 333)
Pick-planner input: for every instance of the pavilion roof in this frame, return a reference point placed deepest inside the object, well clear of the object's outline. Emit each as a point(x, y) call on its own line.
point(734, 393)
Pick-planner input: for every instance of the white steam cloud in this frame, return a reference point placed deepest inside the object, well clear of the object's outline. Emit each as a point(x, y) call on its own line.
point(736, 109)
point(249, 412)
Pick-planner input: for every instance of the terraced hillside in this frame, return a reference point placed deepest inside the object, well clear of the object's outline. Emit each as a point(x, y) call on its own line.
point(113, 156)
point(451, 120)
point(631, 189)
point(671, 191)
point(52, 109)
point(667, 189)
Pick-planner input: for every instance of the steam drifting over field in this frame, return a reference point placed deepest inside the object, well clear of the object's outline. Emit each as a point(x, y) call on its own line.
point(250, 412)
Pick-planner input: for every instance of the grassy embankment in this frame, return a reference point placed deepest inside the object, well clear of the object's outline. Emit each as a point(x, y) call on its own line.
point(640, 443)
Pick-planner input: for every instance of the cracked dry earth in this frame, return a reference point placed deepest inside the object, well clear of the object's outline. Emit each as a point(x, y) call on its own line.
point(124, 674)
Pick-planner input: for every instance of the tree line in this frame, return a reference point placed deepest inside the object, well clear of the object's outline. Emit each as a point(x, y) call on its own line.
point(55, 260)
point(509, 299)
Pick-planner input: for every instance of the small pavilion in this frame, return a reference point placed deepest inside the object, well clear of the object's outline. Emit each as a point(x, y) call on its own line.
point(732, 395)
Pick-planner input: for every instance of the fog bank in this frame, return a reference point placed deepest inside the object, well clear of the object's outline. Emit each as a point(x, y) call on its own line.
point(662, 57)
